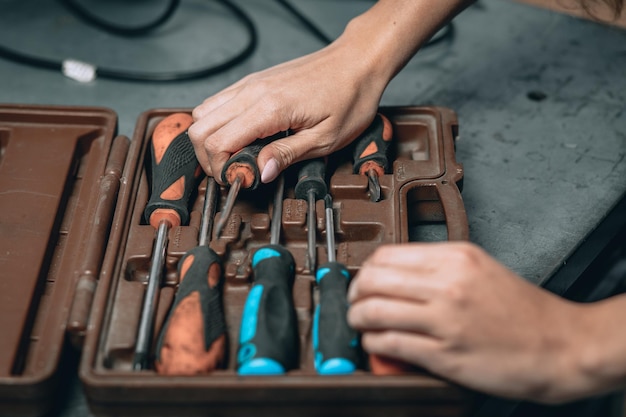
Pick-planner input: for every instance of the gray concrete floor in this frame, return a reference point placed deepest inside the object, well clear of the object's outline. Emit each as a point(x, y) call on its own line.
point(539, 175)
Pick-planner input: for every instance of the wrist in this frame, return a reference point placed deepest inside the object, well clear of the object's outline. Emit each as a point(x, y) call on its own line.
point(593, 354)
point(392, 31)
point(602, 353)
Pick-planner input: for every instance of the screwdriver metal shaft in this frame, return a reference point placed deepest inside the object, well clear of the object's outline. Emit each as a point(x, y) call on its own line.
point(277, 211)
point(228, 206)
point(148, 312)
point(330, 228)
point(311, 226)
point(208, 212)
point(311, 186)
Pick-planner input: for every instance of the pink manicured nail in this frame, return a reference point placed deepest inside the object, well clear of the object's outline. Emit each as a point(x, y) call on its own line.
point(270, 171)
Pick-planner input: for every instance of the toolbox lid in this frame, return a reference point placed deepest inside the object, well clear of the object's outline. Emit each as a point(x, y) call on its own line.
point(58, 172)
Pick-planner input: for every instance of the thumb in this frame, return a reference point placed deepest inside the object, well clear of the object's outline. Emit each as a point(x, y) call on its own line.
point(277, 156)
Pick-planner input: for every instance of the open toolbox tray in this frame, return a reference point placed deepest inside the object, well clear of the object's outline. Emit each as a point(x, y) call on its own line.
point(72, 196)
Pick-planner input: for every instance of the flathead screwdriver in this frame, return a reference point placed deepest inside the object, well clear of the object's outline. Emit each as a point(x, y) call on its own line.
point(311, 186)
point(174, 172)
point(193, 337)
point(335, 344)
point(268, 337)
point(371, 154)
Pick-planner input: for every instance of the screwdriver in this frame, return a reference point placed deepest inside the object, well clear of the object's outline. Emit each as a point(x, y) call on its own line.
point(174, 171)
point(268, 338)
point(335, 344)
point(370, 154)
point(311, 186)
point(241, 170)
point(193, 337)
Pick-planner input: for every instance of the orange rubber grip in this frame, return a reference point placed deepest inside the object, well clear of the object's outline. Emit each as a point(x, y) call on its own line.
point(193, 338)
point(174, 171)
point(372, 147)
point(382, 365)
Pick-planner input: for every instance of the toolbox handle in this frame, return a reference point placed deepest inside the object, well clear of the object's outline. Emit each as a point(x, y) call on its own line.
point(454, 210)
point(449, 207)
point(97, 241)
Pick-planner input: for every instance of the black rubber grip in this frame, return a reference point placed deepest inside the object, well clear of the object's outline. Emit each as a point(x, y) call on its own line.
point(247, 156)
point(311, 176)
point(335, 344)
point(178, 161)
point(268, 338)
point(196, 280)
point(374, 133)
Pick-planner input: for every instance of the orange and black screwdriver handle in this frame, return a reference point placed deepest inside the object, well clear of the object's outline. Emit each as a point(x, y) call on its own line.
point(372, 147)
point(243, 163)
point(175, 170)
point(193, 338)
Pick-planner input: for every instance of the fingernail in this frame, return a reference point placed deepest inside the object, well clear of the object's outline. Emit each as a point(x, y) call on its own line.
point(270, 171)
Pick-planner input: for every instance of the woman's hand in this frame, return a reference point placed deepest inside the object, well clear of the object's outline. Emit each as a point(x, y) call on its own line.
point(326, 99)
point(452, 309)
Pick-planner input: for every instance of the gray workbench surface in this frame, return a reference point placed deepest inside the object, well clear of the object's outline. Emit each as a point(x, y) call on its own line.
point(539, 175)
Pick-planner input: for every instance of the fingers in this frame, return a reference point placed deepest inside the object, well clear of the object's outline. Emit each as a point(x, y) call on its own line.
point(209, 151)
point(280, 154)
point(392, 281)
point(420, 270)
point(215, 101)
point(379, 313)
point(416, 271)
point(216, 139)
point(406, 347)
point(228, 129)
point(424, 254)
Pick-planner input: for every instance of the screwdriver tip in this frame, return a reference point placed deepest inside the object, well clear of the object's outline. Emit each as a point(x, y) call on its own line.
point(139, 361)
point(374, 186)
point(328, 201)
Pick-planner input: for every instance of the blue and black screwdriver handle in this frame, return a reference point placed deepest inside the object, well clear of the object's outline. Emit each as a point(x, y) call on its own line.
point(335, 344)
point(268, 337)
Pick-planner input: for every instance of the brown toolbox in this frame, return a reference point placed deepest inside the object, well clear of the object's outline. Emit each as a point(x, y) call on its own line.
point(75, 252)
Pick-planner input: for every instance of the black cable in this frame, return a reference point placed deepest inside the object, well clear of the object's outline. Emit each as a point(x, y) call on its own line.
point(200, 73)
point(91, 18)
point(141, 76)
point(126, 75)
point(305, 21)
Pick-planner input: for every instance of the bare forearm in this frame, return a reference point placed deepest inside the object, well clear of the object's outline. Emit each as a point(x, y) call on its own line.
point(392, 31)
